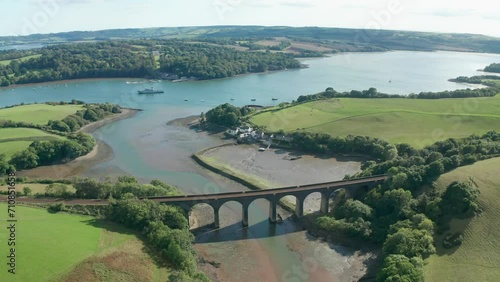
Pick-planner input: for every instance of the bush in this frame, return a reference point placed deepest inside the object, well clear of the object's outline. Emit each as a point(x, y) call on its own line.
point(452, 240)
point(55, 208)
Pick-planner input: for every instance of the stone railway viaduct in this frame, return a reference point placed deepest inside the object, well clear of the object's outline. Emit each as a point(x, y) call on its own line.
point(245, 198)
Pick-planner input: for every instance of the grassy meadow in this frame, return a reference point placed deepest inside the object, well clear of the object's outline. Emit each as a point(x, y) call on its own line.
point(418, 122)
point(478, 258)
point(38, 113)
point(7, 134)
point(13, 140)
point(63, 247)
point(10, 148)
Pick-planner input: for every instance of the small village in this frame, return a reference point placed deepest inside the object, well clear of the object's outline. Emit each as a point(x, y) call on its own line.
point(247, 135)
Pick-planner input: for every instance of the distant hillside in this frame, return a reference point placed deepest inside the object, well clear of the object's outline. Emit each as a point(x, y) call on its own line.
point(378, 39)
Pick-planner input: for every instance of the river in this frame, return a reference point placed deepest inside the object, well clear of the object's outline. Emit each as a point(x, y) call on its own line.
point(146, 147)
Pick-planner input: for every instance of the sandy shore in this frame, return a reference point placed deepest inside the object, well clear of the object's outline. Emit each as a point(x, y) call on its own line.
point(100, 153)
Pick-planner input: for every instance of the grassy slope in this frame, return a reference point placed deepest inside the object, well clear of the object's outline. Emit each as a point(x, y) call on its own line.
point(38, 113)
point(49, 246)
point(10, 148)
point(417, 122)
point(13, 140)
point(20, 133)
point(478, 259)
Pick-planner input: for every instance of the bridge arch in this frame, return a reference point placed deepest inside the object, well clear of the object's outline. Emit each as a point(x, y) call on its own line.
point(231, 204)
point(299, 202)
point(199, 215)
point(312, 202)
point(272, 202)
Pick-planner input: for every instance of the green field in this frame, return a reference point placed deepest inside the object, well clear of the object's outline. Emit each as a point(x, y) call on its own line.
point(62, 247)
point(6, 62)
point(10, 148)
point(13, 140)
point(6, 134)
point(35, 187)
point(417, 122)
point(38, 113)
point(478, 259)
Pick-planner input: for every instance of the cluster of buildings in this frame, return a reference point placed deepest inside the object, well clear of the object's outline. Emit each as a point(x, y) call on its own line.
point(247, 134)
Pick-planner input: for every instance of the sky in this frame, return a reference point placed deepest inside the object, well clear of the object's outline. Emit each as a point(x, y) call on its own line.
point(22, 17)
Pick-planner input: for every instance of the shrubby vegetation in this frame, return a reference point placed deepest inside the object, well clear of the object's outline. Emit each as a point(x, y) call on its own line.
point(227, 115)
point(477, 79)
point(89, 188)
point(41, 153)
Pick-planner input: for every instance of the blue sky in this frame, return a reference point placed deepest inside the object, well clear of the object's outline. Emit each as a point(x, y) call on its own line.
point(46, 16)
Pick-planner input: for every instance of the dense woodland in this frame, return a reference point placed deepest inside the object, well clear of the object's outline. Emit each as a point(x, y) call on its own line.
point(205, 61)
point(493, 68)
point(112, 59)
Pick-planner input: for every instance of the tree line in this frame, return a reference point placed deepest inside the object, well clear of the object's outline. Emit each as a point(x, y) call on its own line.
point(373, 93)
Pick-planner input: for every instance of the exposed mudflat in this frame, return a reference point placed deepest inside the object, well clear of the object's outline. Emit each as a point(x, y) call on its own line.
point(276, 167)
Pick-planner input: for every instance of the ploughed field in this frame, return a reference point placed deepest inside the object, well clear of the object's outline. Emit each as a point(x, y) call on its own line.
point(64, 247)
point(418, 122)
point(478, 258)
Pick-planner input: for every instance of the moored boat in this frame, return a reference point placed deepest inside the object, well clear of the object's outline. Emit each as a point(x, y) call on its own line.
point(150, 91)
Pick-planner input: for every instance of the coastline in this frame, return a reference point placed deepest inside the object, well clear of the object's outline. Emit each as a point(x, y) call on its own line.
point(100, 153)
